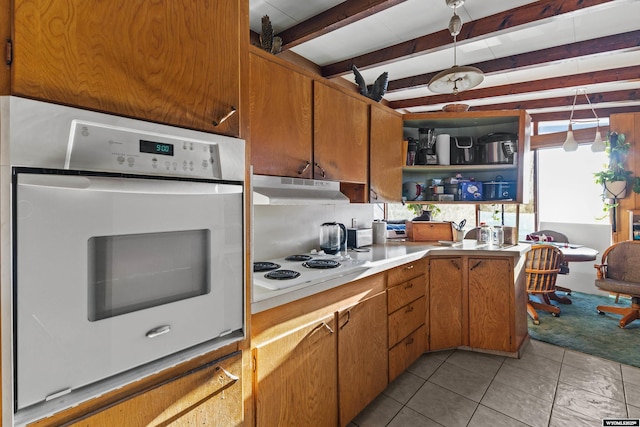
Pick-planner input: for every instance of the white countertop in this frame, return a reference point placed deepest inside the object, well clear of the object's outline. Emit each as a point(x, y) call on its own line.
point(380, 257)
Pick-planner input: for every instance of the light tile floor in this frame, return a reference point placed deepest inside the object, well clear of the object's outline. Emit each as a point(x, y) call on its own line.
point(547, 386)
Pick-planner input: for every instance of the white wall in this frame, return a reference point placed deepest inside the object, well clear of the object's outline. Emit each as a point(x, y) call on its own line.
point(582, 274)
point(279, 231)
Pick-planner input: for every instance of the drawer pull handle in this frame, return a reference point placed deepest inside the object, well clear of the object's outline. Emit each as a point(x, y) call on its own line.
point(409, 341)
point(348, 319)
point(304, 168)
point(324, 174)
point(229, 375)
point(409, 309)
point(222, 120)
point(409, 285)
point(160, 330)
point(320, 326)
point(409, 267)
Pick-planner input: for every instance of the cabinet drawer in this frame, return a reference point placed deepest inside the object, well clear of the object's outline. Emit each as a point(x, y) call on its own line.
point(407, 319)
point(406, 272)
point(407, 351)
point(209, 395)
point(406, 292)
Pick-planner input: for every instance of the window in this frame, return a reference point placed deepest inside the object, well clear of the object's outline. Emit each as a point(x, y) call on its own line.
point(566, 188)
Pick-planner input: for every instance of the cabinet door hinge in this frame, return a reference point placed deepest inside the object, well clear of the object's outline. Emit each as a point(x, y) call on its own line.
point(8, 52)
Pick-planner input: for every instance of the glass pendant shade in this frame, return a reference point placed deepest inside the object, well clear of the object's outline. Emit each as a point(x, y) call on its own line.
point(598, 145)
point(456, 79)
point(570, 144)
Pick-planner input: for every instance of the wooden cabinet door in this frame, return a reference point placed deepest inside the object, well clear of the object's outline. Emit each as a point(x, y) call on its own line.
point(362, 355)
point(280, 113)
point(340, 135)
point(210, 395)
point(445, 303)
point(491, 303)
point(386, 157)
point(171, 62)
point(296, 381)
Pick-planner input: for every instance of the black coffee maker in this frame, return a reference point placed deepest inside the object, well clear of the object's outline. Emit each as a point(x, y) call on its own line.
point(426, 154)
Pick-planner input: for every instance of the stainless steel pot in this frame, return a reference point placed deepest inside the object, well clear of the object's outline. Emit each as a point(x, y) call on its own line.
point(498, 147)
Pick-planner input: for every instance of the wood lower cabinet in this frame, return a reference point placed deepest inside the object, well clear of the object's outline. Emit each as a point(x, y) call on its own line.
point(407, 311)
point(322, 359)
point(281, 117)
point(210, 395)
point(154, 60)
point(386, 155)
point(362, 355)
point(493, 304)
point(477, 303)
point(296, 377)
point(445, 303)
point(340, 135)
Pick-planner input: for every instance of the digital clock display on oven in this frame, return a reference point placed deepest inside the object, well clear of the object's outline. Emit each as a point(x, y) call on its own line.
point(156, 148)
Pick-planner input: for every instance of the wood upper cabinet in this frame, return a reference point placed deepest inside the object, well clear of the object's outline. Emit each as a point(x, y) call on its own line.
point(491, 304)
point(386, 156)
point(161, 61)
point(296, 377)
point(210, 395)
point(280, 113)
point(470, 129)
point(362, 355)
point(340, 135)
point(445, 303)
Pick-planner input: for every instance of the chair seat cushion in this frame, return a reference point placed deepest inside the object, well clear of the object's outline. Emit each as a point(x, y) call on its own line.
point(617, 286)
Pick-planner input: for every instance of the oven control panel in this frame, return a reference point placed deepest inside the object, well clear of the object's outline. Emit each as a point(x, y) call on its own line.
point(100, 147)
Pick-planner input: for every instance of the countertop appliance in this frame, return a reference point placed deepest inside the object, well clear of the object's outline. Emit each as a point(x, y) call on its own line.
point(497, 147)
point(123, 252)
point(333, 237)
point(300, 270)
point(360, 237)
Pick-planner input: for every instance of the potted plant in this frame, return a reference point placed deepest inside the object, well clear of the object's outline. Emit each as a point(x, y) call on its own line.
point(615, 178)
point(424, 212)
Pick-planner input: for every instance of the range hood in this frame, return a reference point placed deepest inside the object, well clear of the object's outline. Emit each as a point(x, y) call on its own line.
point(276, 190)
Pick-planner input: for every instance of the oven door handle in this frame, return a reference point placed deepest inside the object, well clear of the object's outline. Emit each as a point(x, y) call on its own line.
point(160, 330)
point(126, 185)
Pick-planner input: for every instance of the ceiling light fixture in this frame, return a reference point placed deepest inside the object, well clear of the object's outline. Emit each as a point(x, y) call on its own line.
point(570, 143)
point(457, 78)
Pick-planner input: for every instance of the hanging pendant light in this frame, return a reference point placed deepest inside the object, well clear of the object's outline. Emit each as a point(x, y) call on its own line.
point(598, 144)
point(457, 78)
point(570, 143)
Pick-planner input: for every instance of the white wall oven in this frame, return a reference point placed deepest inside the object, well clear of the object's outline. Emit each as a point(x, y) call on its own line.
point(123, 253)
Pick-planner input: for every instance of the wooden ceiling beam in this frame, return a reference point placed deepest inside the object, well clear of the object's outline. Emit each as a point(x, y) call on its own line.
point(332, 19)
point(574, 80)
point(563, 101)
point(593, 47)
point(532, 12)
point(583, 114)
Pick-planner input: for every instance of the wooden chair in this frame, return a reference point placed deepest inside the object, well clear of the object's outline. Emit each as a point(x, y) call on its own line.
point(542, 266)
point(620, 273)
point(564, 266)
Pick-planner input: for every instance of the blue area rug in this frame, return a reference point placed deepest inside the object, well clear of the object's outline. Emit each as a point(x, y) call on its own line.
point(581, 328)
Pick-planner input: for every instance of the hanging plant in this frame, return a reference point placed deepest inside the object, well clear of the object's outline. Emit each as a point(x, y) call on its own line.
point(615, 179)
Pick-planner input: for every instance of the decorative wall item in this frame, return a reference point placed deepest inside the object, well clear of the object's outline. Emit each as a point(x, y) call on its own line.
point(268, 41)
point(379, 86)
